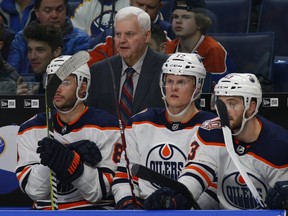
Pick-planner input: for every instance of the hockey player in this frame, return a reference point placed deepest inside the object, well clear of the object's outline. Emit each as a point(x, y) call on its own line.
point(81, 153)
point(261, 147)
point(159, 138)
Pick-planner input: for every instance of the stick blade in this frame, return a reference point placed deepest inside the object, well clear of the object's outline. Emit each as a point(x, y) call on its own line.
point(223, 113)
point(76, 61)
point(152, 176)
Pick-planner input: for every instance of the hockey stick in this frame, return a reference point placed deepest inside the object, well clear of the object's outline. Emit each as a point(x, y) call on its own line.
point(152, 176)
point(76, 61)
point(112, 26)
point(223, 114)
point(123, 139)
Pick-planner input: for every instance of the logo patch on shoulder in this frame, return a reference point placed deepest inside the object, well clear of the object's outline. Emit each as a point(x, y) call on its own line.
point(214, 123)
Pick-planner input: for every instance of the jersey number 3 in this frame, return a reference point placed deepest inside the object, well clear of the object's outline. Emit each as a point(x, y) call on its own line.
point(193, 148)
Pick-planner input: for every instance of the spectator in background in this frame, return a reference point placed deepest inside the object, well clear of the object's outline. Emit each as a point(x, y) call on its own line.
point(53, 12)
point(8, 75)
point(44, 43)
point(132, 34)
point(158, 39)
point(95, 16)
point(7, 37)
point(190, 23)
point(157, 42)
point(17, 13)
point(152, 7)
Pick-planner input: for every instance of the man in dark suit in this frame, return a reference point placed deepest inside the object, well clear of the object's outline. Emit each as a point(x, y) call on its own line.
point(132, 34)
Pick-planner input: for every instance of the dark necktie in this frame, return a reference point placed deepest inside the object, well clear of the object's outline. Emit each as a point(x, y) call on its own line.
point(127, 96)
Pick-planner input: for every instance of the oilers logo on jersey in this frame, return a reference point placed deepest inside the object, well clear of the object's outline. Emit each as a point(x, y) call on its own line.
point(166, 159)
point(237, 194)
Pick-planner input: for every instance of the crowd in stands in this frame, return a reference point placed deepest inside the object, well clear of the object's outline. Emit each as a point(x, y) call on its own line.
point(91, 27)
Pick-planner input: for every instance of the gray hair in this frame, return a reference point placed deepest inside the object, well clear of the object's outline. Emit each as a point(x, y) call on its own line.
point(142, 17)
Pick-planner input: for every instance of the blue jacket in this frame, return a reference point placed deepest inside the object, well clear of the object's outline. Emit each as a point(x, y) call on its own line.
point(11, 16)
point(74, 40)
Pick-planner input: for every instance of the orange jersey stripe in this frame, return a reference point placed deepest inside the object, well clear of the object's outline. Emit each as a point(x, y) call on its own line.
point(22, 172)
point(203, 174)
point(267, 162)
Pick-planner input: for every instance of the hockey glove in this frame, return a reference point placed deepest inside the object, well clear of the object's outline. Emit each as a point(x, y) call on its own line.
point(127, 203)
point(277, 197)
point(166, 198)
point(65, 163)
point(88, 151)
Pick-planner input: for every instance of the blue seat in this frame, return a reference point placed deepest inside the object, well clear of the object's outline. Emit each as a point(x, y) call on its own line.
point(280, 74)
point(250, 52)
point(273, 17)
point(233, 15)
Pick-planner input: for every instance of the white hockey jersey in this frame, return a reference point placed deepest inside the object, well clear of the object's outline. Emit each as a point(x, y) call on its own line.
point(265, 160)
point(158, 144)
point(94, 16)
point(93, 187)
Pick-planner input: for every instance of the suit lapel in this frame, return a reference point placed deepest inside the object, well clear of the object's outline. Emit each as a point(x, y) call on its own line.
point(147, 74)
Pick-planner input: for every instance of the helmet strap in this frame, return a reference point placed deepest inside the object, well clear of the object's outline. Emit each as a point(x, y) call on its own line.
point(244, 118)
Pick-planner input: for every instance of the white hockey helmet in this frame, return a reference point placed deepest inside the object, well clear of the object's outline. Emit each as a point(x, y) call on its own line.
point(81, 73)
point(188, 64)
point(245, 85)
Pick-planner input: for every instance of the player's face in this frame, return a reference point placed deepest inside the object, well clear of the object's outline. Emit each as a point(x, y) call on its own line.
point(179, 90)
point(184, 24)
point(52, 11)
point(65, 96)
point(151, 7)
point(130, 40)
point(40, 55)
point(235, 108)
